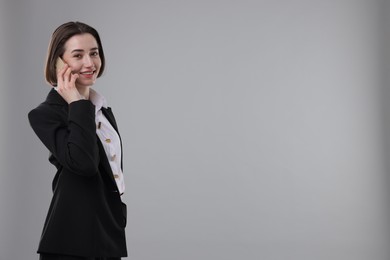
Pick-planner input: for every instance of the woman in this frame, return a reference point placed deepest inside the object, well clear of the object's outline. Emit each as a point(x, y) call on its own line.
point(86, 218)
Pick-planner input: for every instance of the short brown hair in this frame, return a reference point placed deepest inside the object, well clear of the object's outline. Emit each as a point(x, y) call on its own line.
point(57, 47)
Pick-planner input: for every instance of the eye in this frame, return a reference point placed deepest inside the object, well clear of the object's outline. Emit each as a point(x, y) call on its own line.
point(77, 56)
point(95, 53)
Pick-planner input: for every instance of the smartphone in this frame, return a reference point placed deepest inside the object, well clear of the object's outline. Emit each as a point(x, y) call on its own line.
point(59, 64)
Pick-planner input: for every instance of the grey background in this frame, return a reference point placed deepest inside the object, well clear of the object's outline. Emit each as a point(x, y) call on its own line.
point(251, 129)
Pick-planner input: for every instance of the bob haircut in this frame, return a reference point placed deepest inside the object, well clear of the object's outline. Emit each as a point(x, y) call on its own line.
point(57, 47)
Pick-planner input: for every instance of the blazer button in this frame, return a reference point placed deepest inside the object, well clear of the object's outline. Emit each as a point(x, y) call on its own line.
point(113, 157)
point(108, 140)
point(116, 176)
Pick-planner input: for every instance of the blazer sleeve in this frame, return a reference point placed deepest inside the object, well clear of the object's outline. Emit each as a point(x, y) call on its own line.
point(71, 140)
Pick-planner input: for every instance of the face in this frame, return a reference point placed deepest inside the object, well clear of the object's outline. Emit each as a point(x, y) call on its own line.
point(82, 55)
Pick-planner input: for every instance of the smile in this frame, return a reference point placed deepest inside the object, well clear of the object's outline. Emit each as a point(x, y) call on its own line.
point(87, 72)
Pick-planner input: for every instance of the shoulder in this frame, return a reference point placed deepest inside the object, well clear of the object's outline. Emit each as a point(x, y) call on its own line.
point(45, 108)
point(45, 116)
point(47, 112)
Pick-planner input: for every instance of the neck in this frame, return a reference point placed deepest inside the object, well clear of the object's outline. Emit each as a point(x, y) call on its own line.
point(84, 91)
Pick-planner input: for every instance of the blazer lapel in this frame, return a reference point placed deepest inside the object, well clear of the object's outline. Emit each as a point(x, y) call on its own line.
point(107, 171)
point(107, 112)
point(110, 116)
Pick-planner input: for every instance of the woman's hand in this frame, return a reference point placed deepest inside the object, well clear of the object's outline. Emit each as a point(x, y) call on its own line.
point(66, 85)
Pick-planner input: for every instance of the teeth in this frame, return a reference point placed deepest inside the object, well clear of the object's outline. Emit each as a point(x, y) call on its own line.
point(89, 73)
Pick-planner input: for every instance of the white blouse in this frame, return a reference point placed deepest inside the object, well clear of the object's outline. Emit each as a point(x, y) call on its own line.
point(109, 138)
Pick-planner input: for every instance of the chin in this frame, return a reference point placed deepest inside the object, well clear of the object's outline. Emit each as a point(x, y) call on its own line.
point(85, 83)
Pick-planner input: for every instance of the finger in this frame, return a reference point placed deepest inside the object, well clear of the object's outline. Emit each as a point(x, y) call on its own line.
point(73, 79)
point(67, 76)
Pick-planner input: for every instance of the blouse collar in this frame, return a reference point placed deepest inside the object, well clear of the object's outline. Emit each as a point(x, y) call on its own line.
point(97, 99)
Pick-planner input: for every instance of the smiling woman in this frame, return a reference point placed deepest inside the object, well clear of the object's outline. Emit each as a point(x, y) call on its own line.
point(86, 218)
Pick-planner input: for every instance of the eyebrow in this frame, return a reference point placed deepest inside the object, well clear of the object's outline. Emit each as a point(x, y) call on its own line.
point(81, 50)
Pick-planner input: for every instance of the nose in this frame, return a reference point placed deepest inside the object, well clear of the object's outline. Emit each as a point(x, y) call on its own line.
point(88, 61)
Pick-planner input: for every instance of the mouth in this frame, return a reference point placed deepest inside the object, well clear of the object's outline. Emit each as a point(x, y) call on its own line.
point(88, 74)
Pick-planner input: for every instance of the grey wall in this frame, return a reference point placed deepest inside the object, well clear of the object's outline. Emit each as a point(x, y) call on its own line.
point(252, 129)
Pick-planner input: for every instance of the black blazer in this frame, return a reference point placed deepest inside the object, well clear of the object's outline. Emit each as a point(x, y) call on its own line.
point(86, 215)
